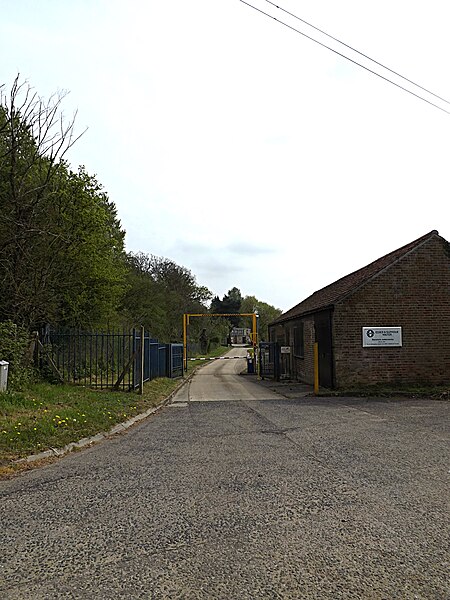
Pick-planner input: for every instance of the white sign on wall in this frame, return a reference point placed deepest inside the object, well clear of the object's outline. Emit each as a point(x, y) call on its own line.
point(381, 336)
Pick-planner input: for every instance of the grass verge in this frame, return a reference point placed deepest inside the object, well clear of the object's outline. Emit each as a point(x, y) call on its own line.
point(48, 416)
point(51, 416)
point(192, 364)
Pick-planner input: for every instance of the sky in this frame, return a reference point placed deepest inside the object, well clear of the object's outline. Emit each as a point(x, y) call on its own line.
point(237, 147)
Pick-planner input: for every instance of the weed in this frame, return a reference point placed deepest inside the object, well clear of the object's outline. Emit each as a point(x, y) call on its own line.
point(50, 416)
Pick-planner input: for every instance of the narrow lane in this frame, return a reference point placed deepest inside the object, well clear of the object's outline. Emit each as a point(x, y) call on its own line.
point(246, 500)
point(225, 380)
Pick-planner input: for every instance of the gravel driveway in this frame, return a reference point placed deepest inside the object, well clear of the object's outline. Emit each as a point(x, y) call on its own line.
point(276, 498)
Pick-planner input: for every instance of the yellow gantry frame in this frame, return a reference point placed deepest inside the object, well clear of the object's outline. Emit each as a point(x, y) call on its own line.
point(187, 316)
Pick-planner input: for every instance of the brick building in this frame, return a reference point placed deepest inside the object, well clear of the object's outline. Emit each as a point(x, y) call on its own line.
point(388, 322)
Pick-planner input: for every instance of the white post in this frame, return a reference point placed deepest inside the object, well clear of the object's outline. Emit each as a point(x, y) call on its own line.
point(3, 375)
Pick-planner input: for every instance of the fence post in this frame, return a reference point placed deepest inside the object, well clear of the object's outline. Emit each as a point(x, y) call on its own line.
point(169, 360)
point(141, 382)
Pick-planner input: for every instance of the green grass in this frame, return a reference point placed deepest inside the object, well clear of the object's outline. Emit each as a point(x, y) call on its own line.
point(51, 416)
point(220, 351)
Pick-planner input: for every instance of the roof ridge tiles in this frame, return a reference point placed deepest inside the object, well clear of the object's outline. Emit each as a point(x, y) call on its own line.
point(333, 292)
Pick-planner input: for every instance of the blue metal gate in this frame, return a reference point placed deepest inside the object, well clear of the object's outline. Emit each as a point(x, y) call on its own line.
point(160, 360)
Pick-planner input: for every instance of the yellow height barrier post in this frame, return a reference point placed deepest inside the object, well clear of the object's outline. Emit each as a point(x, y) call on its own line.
point(185, 324)
point(316, 368)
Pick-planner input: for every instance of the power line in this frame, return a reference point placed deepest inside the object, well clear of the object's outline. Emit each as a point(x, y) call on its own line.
point(346, 57)
point(357, 51)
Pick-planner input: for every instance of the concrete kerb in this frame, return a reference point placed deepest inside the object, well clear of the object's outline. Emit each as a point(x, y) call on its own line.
point(119, 428)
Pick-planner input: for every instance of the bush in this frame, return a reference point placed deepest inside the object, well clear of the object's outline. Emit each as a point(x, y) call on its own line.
point(14, 345)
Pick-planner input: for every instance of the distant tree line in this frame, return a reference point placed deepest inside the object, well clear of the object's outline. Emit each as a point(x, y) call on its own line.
point(233, 302)
point(62, 256)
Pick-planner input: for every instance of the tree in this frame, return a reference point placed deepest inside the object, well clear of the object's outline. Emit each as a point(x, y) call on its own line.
point(267, 313)
point(143, 301)
point(89, 268)
point(230, 304)
point(160, 293)
point(61, 244)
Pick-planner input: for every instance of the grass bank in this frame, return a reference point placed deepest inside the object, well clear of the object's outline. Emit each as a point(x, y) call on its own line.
point(51, 416)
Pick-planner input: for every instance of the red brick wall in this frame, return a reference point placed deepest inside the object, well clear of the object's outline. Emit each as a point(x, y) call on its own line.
point(413, 294)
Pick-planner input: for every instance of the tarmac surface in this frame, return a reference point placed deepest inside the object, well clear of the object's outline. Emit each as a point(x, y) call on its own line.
point(280, 496)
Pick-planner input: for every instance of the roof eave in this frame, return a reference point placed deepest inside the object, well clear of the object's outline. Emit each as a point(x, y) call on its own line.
point(306, 313)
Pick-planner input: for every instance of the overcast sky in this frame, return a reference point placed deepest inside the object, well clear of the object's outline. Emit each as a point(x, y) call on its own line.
point(237, 147)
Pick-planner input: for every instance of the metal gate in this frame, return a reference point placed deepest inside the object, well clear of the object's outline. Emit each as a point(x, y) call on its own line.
point(160, 360)
point(175, 360)
point(105, 359)
point(269, 360)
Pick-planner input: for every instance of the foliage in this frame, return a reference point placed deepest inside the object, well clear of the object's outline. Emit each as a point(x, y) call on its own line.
point(14, 346)
point(233, 302)
point(159, 293)
point(90, 275)
point(267, 313)
point(230, 304)
point(61, 244)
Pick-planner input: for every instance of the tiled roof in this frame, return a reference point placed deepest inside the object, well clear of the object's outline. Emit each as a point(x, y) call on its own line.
point(329, 295)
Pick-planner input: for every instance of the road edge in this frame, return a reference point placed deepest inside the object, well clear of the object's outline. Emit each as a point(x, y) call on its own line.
point(103, 435)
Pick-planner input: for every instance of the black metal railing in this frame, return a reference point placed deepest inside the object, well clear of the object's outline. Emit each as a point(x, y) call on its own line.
point(111, 359)
point(269, 360)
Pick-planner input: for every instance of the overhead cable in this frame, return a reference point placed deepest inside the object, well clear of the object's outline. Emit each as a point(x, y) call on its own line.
point(357, 51)
point(346, 57)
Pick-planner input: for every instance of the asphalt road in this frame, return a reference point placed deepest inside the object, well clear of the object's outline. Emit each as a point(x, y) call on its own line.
point(220, 380)
point(245, 499)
